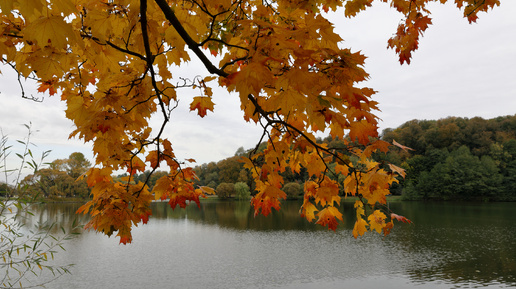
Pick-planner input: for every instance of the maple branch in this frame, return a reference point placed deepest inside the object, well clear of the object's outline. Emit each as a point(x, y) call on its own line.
point(100, 42)
point(212, 26)
point(125, 50)
point(223, 42)
point(317, 147)
point(270, 122)
point(85, 34)
point(266, 114)
point(235, 61)
point(194, 46)
point(33, 98)
point(150, 59)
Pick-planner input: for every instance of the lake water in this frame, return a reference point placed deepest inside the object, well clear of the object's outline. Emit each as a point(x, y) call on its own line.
point(221, 245)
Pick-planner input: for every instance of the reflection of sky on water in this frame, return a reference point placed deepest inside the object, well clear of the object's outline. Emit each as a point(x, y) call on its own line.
point(205, 249)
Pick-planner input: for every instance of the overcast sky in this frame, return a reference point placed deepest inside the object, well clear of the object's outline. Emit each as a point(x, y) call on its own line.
point(459, 70)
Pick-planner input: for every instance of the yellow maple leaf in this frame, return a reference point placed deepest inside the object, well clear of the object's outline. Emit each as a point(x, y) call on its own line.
point(377, 221)
point(359, 207)
point(360, 228)
point(96, 175)
point(398, 170)
point(308, 211)
point(314, 165)
point(327, 193)
point(207, 190)
point(340, 169)
point(275, 179)
point(66, 7)
point(50, 31)
point(135, 165)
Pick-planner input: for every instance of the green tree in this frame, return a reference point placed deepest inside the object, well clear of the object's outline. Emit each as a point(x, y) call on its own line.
point(240, 152)
point(485, 139)
point(48, 183)
point(60, 179)
point(462, 176)
point(4, 189)
point(59, 165)
point(212, 179)
point(509, 170)
point(242, 191)
point(77, 164)
point(244, 176)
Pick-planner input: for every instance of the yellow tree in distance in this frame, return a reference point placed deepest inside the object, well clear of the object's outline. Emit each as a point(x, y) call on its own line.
point(111, 60)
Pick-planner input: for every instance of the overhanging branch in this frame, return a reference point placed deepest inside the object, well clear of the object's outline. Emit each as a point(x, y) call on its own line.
point(194, 46)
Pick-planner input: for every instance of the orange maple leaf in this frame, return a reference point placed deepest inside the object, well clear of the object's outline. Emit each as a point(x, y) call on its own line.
point(47, 85)
point(400, 218)
point(328, 216)
point(135, 165)
point(387, 229)
point(229, 80)
point(265, 204)
point(178, 200)
point(394, 142)
point(355, 6)
point(153, 158)
point(406, 39)
point(125, 239)
point(103, 128)
point(362, 130)
point(145, 217)
point(201, 104)
point(183, 198)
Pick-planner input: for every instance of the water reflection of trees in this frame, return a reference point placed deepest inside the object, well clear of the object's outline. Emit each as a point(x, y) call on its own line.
point(451, 243)
point(472, 242)
point(60, 215)
point(239, 215)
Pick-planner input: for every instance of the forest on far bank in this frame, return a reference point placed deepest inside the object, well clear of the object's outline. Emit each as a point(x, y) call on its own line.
point(453, 158)
point(456, 158)
point(55, 180)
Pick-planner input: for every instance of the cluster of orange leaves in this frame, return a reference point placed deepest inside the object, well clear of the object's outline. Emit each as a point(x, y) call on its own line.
point(110, 63)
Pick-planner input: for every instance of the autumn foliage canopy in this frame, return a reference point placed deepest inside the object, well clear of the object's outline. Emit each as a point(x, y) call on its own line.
point(110, 61)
